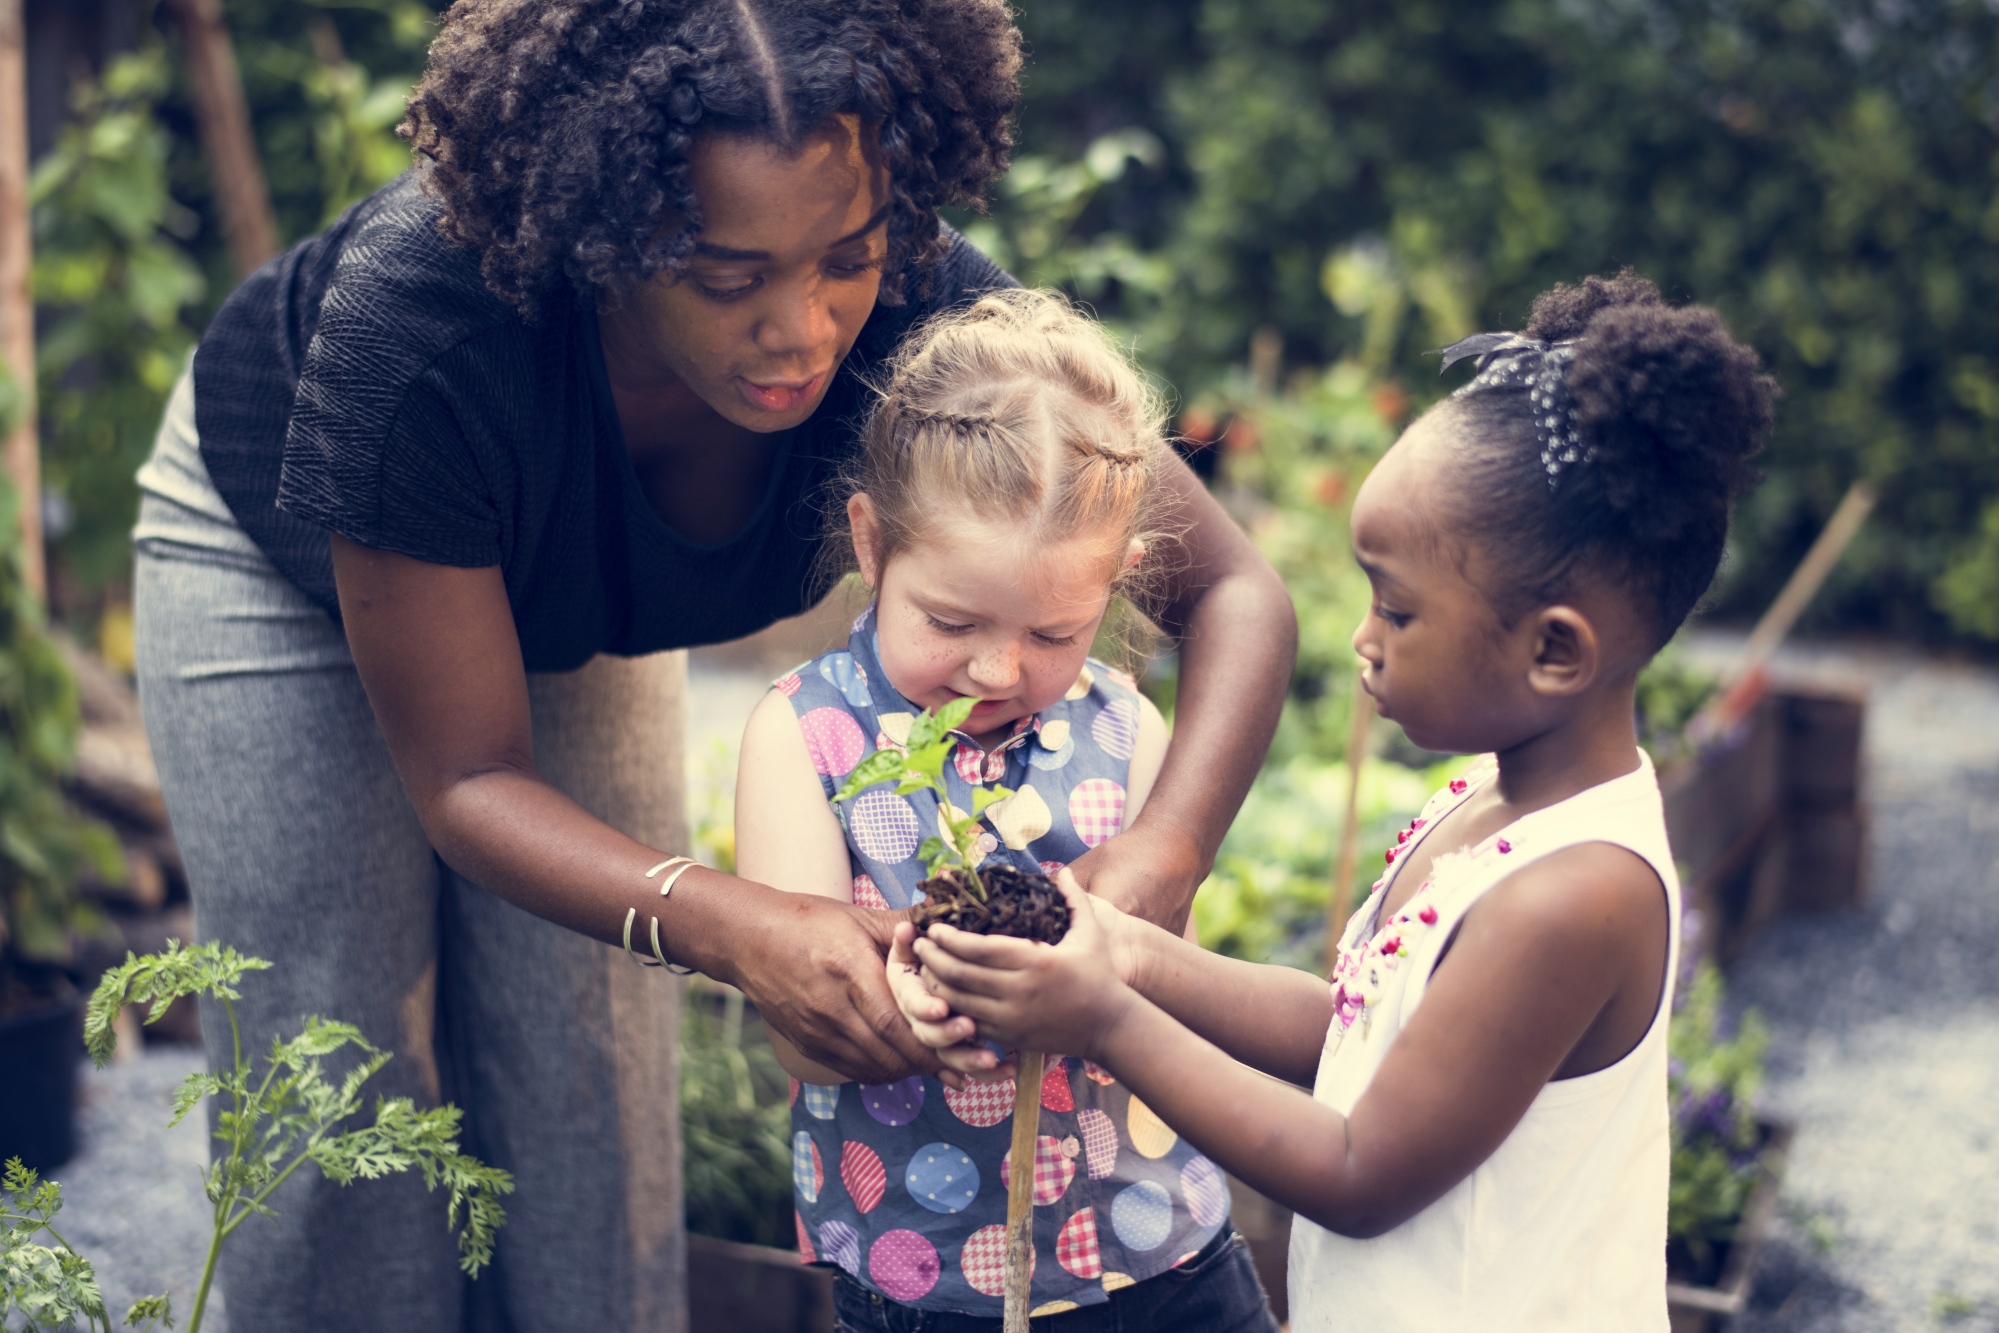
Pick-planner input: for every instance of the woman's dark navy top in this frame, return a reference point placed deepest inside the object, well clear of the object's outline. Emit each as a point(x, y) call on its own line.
point(367, 383)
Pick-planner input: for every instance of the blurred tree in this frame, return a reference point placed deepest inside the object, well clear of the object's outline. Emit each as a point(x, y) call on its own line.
point(1823, 171)
point(131, 258)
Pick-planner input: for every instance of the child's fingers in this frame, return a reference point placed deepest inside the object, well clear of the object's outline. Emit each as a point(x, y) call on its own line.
point(949, 1032)
point(943, 969)
point(1002, 951)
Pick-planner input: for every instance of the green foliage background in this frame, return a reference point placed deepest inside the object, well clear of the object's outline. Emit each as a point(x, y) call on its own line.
point(1365, 177)
point(1820, 170)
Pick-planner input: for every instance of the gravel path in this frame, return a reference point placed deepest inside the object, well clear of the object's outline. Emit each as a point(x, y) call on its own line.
point(1885, 1027)
point(1885, 1045)
point(132, 1200)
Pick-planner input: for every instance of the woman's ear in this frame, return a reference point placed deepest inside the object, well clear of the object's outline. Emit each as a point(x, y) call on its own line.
point(866, 531)
point(1567, 652)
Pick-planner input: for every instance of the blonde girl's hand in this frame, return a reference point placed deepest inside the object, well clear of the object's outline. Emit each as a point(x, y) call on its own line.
point(1028, 995)
point(955, 1037)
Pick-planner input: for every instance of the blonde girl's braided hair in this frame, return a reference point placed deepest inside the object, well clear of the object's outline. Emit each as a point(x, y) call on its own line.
point(1018, 409)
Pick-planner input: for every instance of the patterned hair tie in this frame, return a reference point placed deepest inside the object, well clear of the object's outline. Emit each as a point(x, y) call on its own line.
point(1511, 360)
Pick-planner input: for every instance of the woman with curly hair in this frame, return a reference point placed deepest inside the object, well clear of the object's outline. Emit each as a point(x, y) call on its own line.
point(445, 489)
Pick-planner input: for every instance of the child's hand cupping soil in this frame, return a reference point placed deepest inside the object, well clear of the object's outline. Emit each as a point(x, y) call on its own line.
point(1022, 993)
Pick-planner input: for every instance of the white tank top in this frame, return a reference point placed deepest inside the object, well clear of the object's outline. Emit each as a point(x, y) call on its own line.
point(1564, 1226)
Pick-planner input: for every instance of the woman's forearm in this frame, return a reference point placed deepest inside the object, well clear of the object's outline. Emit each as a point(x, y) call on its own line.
point(1238, 639)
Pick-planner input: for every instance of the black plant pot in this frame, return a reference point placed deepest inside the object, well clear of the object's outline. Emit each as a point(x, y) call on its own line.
point(39, 1053)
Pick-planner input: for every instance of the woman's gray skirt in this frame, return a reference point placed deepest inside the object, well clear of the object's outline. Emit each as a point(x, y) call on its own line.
point(302, 848)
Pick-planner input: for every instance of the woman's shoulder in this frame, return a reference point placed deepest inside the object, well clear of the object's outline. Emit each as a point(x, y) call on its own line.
point(399, 291)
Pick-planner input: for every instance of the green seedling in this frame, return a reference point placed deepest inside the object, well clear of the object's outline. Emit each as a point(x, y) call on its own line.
point(272, 1123)
point(920, 766)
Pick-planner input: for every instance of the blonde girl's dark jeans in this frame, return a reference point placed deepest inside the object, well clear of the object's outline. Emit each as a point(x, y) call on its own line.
point(302, 848)
point(1217, 1291)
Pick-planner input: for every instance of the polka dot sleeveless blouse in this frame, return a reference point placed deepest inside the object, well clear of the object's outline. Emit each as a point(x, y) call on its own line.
point(904, 1185)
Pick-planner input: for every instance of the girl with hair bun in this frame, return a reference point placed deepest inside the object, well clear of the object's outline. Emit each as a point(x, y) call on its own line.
point(1485, 1141)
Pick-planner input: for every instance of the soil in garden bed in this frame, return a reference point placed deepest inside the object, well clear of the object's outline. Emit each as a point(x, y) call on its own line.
point(1025, 906)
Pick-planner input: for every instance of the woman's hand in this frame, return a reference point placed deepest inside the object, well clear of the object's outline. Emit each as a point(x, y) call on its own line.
point(1028, 995)
point(816, 975)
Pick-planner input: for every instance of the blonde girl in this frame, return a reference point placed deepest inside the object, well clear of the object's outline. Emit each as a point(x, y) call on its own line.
point(1008, 487)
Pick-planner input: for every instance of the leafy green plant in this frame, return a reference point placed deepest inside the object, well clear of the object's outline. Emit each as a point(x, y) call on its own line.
point(44, 844)
point(919, 766)
point(52, 1286)
point(735, 1122)
point(1712, 1083)
point(115, 284)
point(272, 1123)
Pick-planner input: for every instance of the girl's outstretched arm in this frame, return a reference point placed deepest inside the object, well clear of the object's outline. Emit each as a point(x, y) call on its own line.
point(1537, 963)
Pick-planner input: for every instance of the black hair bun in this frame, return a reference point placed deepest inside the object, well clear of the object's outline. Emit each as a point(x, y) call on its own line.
point(1674, 406)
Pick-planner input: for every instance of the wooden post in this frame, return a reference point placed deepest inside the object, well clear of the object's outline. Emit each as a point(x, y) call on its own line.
point(1020, 1191)
point(1341, 901)
point(1745, 680)
point(223, 118)
point(17, 299)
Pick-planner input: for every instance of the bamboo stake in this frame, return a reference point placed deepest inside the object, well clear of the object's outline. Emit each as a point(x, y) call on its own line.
point(1341, 901)
point(223, 118)
point(1744, 682)
point(1020, 1190)
point(22, 454)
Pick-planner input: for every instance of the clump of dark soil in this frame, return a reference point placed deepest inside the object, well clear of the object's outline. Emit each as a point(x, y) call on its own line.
point(1027, 907)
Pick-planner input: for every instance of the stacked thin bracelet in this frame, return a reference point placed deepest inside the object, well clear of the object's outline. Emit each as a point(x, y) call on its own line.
point(675, 866)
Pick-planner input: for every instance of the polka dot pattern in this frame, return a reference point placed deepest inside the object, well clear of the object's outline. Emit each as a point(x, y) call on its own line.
point(834, 741)
point(1116, 729)
point(981, 1105)
point(808, 1173)
point(862, 1173)
point(1119, 1281)
point(806, 1254)
point(1142, 1215)
point(1206, 1192)
point(983, 1261)
point(1051, 1307)
point(787, 685)
point(867, 895)
point(1096, 809)
point(904, 1265)
point(894, 1103)
point(1081, 688)
point(1152, 1136)
point(1021, 818)
point(1100, 1142)
point(841, 1244)
point(1055, 1093)
point(942, 1178)
point(883, 826)
point(1054, 1167)
point(896, 727)
point(847, 676)
point(1076, 1246)
point(1048, 760)
point(821, 1100)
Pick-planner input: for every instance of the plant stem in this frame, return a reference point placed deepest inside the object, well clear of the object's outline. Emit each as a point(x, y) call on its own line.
point(208, 1266)
point(1020, 1190)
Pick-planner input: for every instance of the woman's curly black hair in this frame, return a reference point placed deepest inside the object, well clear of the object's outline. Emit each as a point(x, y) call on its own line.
point(1670, 408)
point(557, 131)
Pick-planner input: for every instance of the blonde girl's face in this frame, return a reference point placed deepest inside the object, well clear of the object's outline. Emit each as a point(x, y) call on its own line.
point(974, 610)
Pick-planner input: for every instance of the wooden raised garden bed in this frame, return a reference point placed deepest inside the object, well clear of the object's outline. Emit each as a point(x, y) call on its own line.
point(1698, 1307)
